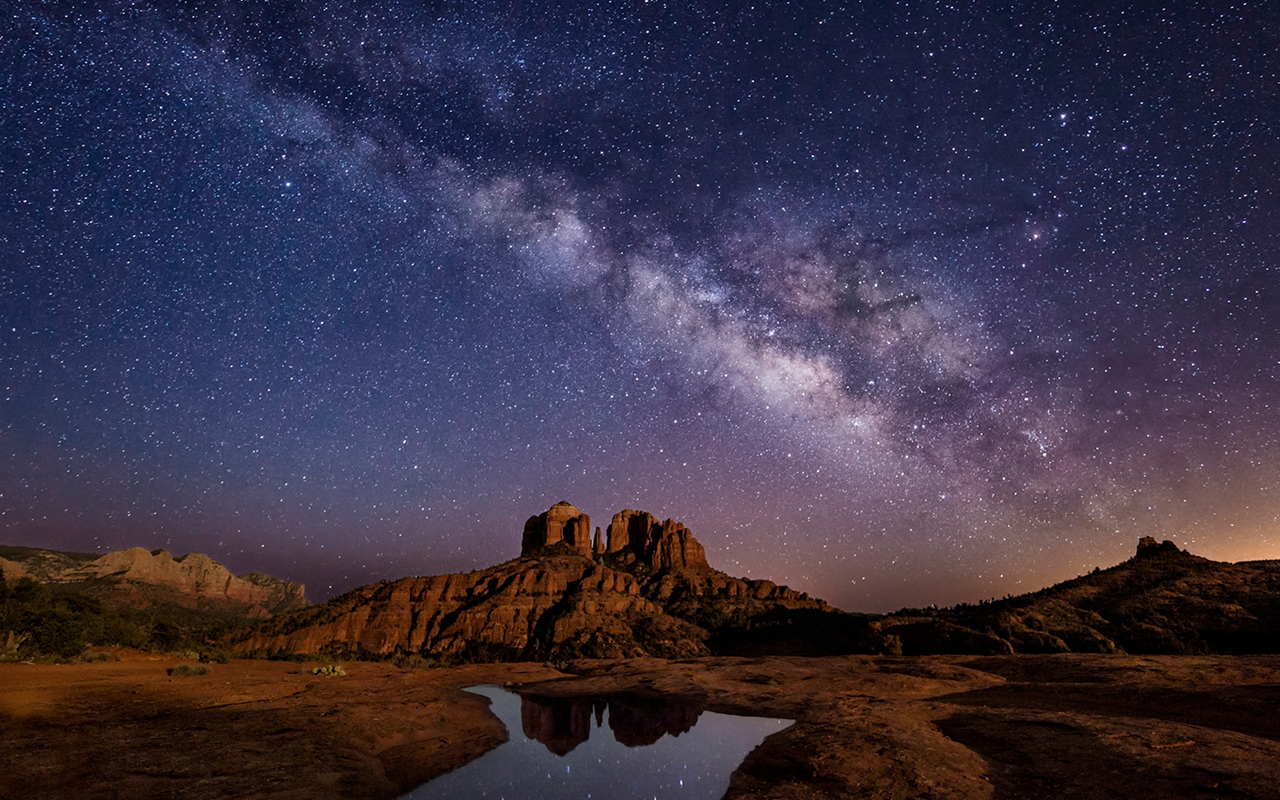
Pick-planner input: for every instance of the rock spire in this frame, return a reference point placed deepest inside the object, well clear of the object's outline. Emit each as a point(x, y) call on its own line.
point(636, 537)
point(563, 522)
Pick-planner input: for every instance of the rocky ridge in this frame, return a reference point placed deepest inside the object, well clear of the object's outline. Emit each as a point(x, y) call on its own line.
point(645, 590)
point(139, 578)
point(1163, 600)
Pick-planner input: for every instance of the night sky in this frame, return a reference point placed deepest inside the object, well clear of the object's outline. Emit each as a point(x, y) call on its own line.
point(895, 303)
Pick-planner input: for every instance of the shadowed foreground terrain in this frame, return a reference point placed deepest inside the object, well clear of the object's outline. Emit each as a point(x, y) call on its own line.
point(1096, 726)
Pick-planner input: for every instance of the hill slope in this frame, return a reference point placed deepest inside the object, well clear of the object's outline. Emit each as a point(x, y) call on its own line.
point(137, 578)
point(1163, 600)
point(645, 591)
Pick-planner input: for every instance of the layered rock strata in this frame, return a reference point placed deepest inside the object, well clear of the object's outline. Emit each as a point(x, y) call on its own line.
point(635, 537)
point(658, 545)
point(560, 523)
point(141, 578)
point(647, 591)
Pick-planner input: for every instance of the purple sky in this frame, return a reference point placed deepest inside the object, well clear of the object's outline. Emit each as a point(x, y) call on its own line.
point(893, 303)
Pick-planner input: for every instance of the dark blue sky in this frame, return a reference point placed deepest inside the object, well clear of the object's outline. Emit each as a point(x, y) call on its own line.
point(896, 303)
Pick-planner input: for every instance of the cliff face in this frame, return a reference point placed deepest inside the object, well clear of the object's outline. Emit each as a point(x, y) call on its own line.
point(648, 591)
point(633, 538)
point(560, 523)
point(139, 578)
point(638, 537)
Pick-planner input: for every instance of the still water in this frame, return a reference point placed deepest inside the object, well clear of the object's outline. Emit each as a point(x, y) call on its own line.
point(618, 747)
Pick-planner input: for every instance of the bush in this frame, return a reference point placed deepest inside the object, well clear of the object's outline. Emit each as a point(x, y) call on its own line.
point(329, 671)
point(61, 632)
point(417, 661)
point(119, 631)
point(187, 670)
point(296, 658)
point(10, 645)
point(215, 655)
point(60, 623)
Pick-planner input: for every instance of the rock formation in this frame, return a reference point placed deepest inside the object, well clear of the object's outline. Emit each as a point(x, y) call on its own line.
point(641, 721)
point(563, 723)
point(141, 578)
point(1148, 548)
point(560, 523)
point(637, 535)
point(634, 537)
point(647, 591)
point(559, 724)
point(1163, 600)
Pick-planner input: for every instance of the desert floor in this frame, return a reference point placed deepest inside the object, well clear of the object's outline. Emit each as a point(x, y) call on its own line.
point(939, 727)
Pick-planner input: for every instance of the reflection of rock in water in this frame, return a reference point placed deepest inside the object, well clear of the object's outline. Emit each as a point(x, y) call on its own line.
point(640, 722)
point(560, 724)
point(563, 723)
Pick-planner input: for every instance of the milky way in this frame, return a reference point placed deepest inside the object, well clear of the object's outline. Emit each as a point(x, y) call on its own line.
point(894, 303)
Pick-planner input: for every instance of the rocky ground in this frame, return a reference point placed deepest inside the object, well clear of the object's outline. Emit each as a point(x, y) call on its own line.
point(1089, 726)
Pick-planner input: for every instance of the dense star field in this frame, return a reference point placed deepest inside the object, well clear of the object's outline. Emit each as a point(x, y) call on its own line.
point(896, 303)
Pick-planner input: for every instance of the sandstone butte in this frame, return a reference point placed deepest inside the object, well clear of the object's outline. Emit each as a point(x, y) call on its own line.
point(643, 588)
point(141, 578)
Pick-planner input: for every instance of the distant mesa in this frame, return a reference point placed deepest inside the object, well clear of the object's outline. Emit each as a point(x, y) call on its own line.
point(139, 578)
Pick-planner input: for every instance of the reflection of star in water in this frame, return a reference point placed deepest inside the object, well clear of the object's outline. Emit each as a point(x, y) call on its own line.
point(646, 749)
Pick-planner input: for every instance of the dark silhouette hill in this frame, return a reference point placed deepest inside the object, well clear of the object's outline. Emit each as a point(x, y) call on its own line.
point(1163, 600)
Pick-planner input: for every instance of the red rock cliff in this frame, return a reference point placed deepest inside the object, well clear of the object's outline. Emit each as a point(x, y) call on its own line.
point(587, 599)
point(560, 523)
point(141, 578)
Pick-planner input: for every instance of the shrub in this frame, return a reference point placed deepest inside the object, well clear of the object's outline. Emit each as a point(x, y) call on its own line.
point(215, 655)
point(891, 645)
point(61, 632)
point(11, 643)
point(417, 661)
point(296, 658)
point(329, 671)
point(187, 670)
